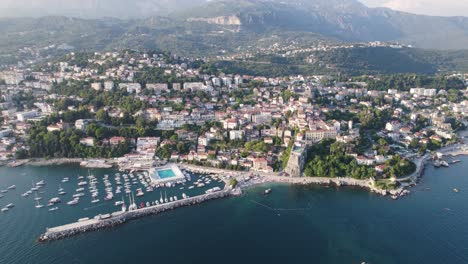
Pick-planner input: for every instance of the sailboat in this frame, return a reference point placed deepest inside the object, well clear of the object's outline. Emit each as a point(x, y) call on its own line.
point(37, 198)
point(132, 205)
point(34, 188)
point(165, 197)
point(124, 207)
point(161, 199)
point(38, 205)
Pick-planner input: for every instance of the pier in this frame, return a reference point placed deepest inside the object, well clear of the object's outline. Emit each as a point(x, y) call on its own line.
point(111, 220)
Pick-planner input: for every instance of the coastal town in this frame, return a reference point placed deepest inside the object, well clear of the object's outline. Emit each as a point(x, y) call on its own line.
point(241, 131)
point(140, 110)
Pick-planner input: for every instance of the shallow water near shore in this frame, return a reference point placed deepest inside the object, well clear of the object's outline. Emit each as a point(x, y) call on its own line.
point(295, 224)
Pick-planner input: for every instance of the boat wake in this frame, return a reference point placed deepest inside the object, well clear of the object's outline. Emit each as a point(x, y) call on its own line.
point(279, 209)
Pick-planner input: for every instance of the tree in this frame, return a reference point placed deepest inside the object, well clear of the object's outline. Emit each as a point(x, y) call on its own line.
point(101, 115)
point(164, 152)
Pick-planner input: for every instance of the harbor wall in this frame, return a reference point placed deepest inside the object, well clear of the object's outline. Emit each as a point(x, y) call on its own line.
point(65, 231)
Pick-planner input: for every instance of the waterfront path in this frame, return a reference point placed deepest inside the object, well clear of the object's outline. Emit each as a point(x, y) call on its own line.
point(117, 218)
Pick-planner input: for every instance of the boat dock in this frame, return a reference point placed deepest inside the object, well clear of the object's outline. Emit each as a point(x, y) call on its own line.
point(107, 221)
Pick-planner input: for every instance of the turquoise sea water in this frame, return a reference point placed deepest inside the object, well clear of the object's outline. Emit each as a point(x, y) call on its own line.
point(292, 225)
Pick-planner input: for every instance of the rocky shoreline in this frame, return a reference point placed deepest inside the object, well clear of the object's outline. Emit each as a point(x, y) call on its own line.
point(402, 190)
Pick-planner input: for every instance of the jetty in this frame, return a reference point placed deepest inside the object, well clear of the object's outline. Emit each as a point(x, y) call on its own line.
point(100, 222)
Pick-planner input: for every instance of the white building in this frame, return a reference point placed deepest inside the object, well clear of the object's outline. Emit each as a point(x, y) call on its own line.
point(423, 92)
point(236, 134)
point(194, 86)
point(108, 86)
point(81, 124)
point(131, 87)
point(96, 86)
point(24, 116)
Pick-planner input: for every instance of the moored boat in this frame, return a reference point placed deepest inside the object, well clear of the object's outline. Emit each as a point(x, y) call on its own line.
point(53, 209)
point(73, 202)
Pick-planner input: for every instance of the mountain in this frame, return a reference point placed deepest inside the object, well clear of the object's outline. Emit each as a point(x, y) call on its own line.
point(344, 20)
point(218, 27)
point(347, 20)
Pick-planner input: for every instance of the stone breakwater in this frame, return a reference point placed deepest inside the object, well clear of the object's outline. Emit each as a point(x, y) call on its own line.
point(119, 218)
point(87, 163)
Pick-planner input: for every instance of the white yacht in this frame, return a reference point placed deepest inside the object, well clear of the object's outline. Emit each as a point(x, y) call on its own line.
point(38, 205)
point(73, 202)
point(12, 187)
point(37, 198)
point(140, 192)
point(53, 209)
point(40, 183)
point(95, 201)
point(54, 200)
point(109, 197)
point(82, 183)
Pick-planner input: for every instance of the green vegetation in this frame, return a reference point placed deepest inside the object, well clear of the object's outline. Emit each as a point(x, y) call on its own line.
point(356, 61)
point(404, 82)
point(399, 167)
point(44, 144)
point(286, 154)
point(233, 182)
point(268, 69)
point(373, 119)
point(328, 159)
point(386, 184)
point(257, 146)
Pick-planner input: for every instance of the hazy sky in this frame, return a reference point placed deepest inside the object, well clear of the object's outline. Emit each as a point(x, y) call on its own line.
point(427, 7)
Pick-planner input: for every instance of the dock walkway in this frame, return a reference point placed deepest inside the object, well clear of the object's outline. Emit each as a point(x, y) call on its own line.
point(119, 218)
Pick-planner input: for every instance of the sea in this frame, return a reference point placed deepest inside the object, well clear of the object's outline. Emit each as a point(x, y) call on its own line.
point(294, 224)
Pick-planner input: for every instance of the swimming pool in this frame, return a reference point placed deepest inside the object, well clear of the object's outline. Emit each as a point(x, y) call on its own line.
point(164, 174)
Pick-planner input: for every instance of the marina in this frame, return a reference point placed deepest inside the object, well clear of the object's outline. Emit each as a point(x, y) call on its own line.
point(92, 191)
point(315, 215)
